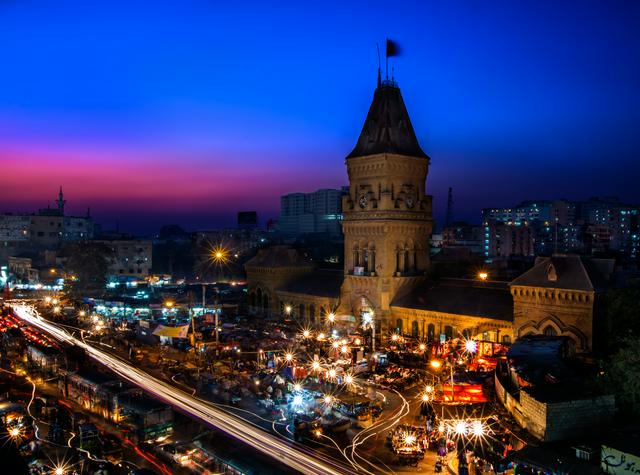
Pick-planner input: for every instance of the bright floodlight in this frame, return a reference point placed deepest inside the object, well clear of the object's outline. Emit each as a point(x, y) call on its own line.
point(357, 341)
point(441, 427)
point(483, 275)
point(321, 336)
point(435, 364)
point(332, 373)
point(328, 399)
point(471, 346)
point(344, 349)
point(425, 397)
point(287, 309)
point(306, 333)
point(59, 471)
point(477, 428)
point(422, 347)
point(297, 387)
point(460, 427)
point(288, 357)
point(331, 317)
point(410, 439)
point(367, 318)
point(348, 379)
point(315, 365)
point(335, 344)
point(15, 432)
point(297, 400)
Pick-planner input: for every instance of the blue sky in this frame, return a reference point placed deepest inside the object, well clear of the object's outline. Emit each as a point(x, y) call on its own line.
point(186, 112)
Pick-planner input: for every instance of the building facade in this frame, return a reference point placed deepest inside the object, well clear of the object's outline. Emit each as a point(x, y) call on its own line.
point(308, 213)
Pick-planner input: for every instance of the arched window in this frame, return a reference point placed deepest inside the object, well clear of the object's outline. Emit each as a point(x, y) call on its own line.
point(399, 326)
point(431, 332)
point(259, 298)
point(265, 302)
point(466, 333)
point(448, 331)
point(312, 312)
point(550, 331)
point(323, 312)
point(301, 314)
point(506, 339)
point(252, 300)
point(414, 329)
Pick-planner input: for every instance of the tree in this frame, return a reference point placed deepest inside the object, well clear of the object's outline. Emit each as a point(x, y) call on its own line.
point(88, 263)
point(621, 315)
point(623, 375)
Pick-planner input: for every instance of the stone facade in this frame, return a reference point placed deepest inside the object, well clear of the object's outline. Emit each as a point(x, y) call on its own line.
point(558, 420)
point(566, 312)
point(387, 213)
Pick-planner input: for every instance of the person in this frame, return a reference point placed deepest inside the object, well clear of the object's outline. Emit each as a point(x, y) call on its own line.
point(438, 466)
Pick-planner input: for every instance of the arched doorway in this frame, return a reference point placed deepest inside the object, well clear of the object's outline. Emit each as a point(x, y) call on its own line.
point(550, 331)
point(399, 326)
point(301, 311)
point(431, 332)
point(415, 331)
point(448, 331)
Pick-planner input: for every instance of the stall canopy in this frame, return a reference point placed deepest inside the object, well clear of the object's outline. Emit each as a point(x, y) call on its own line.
point(173, 332)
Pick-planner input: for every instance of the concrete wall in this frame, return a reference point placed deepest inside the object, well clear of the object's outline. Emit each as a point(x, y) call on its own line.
point(559, 420)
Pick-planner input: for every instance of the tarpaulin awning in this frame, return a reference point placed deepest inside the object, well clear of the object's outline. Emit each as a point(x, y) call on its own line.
point(173, 332)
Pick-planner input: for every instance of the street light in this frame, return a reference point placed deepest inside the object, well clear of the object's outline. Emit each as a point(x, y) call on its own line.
point(331, 317)
point(483, 275)
point(435, 364)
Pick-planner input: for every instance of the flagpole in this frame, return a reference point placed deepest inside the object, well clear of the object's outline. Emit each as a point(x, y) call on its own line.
point(379, 79)
point(386, 59)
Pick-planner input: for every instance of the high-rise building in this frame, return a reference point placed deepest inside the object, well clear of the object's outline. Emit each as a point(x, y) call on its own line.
point(307, 213)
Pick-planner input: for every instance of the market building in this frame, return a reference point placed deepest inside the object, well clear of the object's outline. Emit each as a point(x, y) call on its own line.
point(387, 225)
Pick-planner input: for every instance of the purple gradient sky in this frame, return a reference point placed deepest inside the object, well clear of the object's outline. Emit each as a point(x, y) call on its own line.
point(187, 112)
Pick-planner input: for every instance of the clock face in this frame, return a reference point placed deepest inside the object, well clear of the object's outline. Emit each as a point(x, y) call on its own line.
point(363, 201)
point(410, 202)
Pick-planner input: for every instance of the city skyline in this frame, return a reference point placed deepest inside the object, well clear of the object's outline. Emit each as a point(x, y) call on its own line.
point(181, 121)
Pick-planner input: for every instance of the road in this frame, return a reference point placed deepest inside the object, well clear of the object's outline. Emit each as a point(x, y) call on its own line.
point(294, 456)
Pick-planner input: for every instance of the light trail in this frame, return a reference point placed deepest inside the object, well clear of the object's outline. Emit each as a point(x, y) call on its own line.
point(298, 458)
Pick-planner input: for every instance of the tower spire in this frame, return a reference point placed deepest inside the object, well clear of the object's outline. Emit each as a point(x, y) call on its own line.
point(61, 202)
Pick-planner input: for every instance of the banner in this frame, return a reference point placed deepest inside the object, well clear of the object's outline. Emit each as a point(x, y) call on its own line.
point(173, 332)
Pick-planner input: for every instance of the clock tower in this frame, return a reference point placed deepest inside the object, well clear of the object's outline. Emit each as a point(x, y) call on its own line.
point(387, 212)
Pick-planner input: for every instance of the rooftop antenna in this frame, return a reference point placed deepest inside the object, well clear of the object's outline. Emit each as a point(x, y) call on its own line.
point(379, 78)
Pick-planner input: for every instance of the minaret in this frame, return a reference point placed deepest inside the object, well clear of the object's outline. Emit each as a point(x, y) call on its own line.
point(61, 202)
point(449, 220)
point(387, 213)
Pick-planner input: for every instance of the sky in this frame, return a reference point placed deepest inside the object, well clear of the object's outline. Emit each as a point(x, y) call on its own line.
point(187, 112)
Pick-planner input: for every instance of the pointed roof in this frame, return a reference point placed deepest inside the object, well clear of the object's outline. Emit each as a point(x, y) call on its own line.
point(567, 272)
point(387, 128)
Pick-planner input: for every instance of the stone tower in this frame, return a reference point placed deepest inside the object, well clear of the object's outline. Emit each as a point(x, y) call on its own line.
point(387, 213)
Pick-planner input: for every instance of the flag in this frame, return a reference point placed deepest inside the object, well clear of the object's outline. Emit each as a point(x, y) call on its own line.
point(393, 49)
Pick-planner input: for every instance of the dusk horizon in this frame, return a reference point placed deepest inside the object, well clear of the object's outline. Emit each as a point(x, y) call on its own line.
point(176, 121)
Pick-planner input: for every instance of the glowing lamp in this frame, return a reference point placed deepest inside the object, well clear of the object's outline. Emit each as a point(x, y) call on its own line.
point(471, 346)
